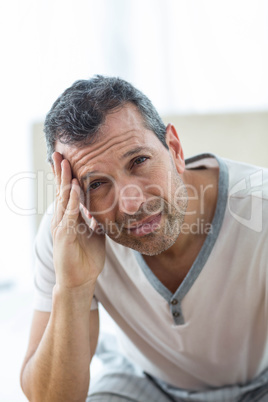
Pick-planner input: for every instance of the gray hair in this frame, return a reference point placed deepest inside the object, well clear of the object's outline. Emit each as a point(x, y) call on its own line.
point(80, 111)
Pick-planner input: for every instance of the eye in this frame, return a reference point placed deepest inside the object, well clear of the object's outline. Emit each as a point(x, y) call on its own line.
point(140, 160)
point(95, 185)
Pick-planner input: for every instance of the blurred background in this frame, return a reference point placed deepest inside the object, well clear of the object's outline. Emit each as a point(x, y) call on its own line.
point(203, 63)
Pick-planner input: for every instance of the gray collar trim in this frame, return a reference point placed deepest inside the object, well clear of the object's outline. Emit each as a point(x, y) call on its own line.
point(175, 299)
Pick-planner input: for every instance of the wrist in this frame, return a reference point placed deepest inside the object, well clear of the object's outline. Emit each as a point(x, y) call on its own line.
point(78, 298)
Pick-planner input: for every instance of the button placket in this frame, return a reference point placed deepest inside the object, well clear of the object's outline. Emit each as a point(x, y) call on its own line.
point(175, 310)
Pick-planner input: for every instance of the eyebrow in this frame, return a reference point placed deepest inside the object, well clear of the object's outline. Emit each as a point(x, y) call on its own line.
point(126, 155)
point(87, 175)
point(135, 151)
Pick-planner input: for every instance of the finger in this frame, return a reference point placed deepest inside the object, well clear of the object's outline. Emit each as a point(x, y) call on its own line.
point(93, 224)
point(56, 167)
point(63, 195)
point(63, 176)
point(57, 159)
point(72, 211)
point(66, 183)
point(85, 211)
point(92, 230)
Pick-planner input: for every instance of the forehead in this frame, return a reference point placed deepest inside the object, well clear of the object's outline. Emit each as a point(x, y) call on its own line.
point(122, 131)
point(122, 119)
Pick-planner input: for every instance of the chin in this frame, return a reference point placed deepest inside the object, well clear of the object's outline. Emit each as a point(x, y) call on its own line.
point(151, 244)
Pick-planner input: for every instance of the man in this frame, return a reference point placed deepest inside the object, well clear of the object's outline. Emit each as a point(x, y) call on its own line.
point(180, 266)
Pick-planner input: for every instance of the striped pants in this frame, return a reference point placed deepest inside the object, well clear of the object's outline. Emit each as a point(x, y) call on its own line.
point(122, 381)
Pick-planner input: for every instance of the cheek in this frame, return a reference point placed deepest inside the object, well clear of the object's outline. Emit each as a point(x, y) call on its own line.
point(101, 205)
point(159, 184)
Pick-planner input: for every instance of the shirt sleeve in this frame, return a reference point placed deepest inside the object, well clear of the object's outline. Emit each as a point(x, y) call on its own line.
point(44, 272)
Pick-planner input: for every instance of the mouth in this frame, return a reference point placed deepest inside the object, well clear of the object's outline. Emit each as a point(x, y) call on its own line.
point(148, 225)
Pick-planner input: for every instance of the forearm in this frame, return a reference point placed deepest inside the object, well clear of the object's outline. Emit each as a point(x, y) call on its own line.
point(59, 369)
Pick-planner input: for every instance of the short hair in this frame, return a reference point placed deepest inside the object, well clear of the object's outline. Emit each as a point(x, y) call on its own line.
point(80, 111)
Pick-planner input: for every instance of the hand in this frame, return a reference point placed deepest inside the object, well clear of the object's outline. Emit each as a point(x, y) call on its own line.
point(78, 252)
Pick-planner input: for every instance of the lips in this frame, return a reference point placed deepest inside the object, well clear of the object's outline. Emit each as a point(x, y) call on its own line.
point(147, 226)
point(147, 220)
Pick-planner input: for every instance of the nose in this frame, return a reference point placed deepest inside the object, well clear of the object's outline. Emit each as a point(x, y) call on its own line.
point(131, 198)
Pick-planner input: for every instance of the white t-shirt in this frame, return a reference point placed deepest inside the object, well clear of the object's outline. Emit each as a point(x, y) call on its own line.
point(213, 331)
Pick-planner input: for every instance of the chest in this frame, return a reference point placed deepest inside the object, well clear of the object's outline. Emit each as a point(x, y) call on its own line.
point(171, 280)
point(171, 272)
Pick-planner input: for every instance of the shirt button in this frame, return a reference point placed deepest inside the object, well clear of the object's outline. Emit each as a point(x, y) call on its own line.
point(176, 314)
point(174, 301)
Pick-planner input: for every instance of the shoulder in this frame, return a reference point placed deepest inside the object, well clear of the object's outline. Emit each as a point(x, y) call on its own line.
point(247, 205)
point(247, 179)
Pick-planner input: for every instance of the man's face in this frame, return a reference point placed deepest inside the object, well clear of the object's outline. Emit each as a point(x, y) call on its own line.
point(130, 183)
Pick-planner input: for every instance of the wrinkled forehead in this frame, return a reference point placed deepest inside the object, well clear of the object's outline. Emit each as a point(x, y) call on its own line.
point(122, 120)
point(116, 121)
point(122, 132)
point(115, 146)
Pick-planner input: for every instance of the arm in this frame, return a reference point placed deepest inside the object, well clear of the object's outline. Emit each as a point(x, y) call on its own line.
point(62, 344)
point(47, 354)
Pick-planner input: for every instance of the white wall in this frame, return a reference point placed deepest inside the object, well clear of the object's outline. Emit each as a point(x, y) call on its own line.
point(195, 56)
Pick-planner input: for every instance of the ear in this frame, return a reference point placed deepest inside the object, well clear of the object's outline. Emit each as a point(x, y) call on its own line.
point(175, 148)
